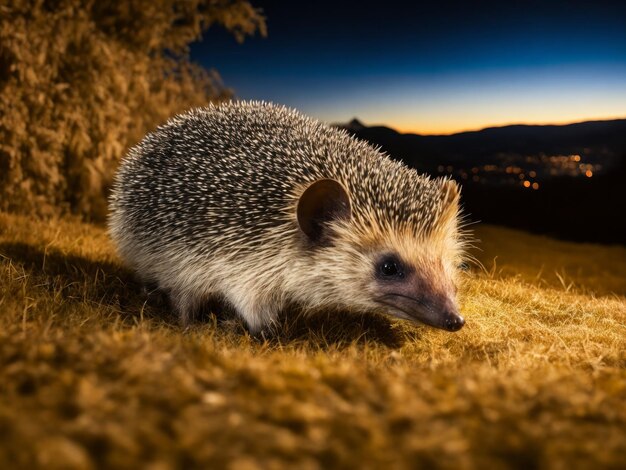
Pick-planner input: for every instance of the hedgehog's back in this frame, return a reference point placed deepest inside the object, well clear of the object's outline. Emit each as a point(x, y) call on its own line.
point(225, 175)
point(213, 173)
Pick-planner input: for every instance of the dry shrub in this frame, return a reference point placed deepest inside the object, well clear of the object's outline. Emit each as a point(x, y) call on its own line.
point(81, 80)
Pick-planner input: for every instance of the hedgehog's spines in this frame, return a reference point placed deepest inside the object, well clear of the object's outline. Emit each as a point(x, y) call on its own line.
point(212, 193)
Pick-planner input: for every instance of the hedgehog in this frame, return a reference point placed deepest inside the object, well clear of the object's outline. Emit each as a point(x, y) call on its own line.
point(265, 209)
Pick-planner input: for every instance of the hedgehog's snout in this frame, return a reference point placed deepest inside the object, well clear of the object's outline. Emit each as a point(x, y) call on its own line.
point(451, 319)
point(454, 322)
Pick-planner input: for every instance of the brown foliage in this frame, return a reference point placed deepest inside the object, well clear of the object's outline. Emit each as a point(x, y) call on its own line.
point(81, 80)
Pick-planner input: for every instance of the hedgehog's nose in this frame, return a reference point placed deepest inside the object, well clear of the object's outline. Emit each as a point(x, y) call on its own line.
point(454, 323)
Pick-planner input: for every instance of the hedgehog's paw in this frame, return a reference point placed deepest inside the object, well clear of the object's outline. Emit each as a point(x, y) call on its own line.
point(256, 316)
point(258, 321)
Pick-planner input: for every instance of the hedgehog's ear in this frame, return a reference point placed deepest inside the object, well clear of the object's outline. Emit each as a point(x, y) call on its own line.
point(323, 201)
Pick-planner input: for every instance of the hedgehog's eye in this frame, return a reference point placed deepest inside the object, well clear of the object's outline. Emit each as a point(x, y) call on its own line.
point(391, 268)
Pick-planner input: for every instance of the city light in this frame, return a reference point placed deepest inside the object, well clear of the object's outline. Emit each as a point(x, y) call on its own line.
point(528, 170)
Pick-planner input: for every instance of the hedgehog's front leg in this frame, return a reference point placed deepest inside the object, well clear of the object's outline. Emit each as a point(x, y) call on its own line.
point(184, 305)
point(255, 313)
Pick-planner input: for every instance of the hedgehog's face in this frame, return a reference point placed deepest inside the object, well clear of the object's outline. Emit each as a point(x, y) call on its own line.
point(402, 274)
point(416, 283)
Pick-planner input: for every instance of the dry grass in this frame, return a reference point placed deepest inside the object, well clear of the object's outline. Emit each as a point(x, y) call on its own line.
point(93, 374)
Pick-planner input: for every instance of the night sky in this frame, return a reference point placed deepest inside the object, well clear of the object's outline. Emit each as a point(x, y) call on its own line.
point(432, 69)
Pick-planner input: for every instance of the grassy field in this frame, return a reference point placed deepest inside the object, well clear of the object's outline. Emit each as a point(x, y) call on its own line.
point(93, 374)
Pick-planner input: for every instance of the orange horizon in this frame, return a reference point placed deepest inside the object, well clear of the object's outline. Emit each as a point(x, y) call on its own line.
point(432, 130)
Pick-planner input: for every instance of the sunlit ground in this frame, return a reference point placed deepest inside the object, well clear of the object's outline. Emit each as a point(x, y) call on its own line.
point(94, 374)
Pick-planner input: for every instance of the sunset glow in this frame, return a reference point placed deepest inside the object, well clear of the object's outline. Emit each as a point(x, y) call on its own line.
point(433, 69)
point(454, 126)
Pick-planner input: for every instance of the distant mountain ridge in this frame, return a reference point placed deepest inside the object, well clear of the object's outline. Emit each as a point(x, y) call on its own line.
point(356, 124)
point(598, 139)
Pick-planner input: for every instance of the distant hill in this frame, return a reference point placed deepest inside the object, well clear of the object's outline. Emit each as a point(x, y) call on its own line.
point(604, 140)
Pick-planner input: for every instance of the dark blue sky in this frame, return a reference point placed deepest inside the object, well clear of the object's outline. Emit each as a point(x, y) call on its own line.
point(439, 68)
